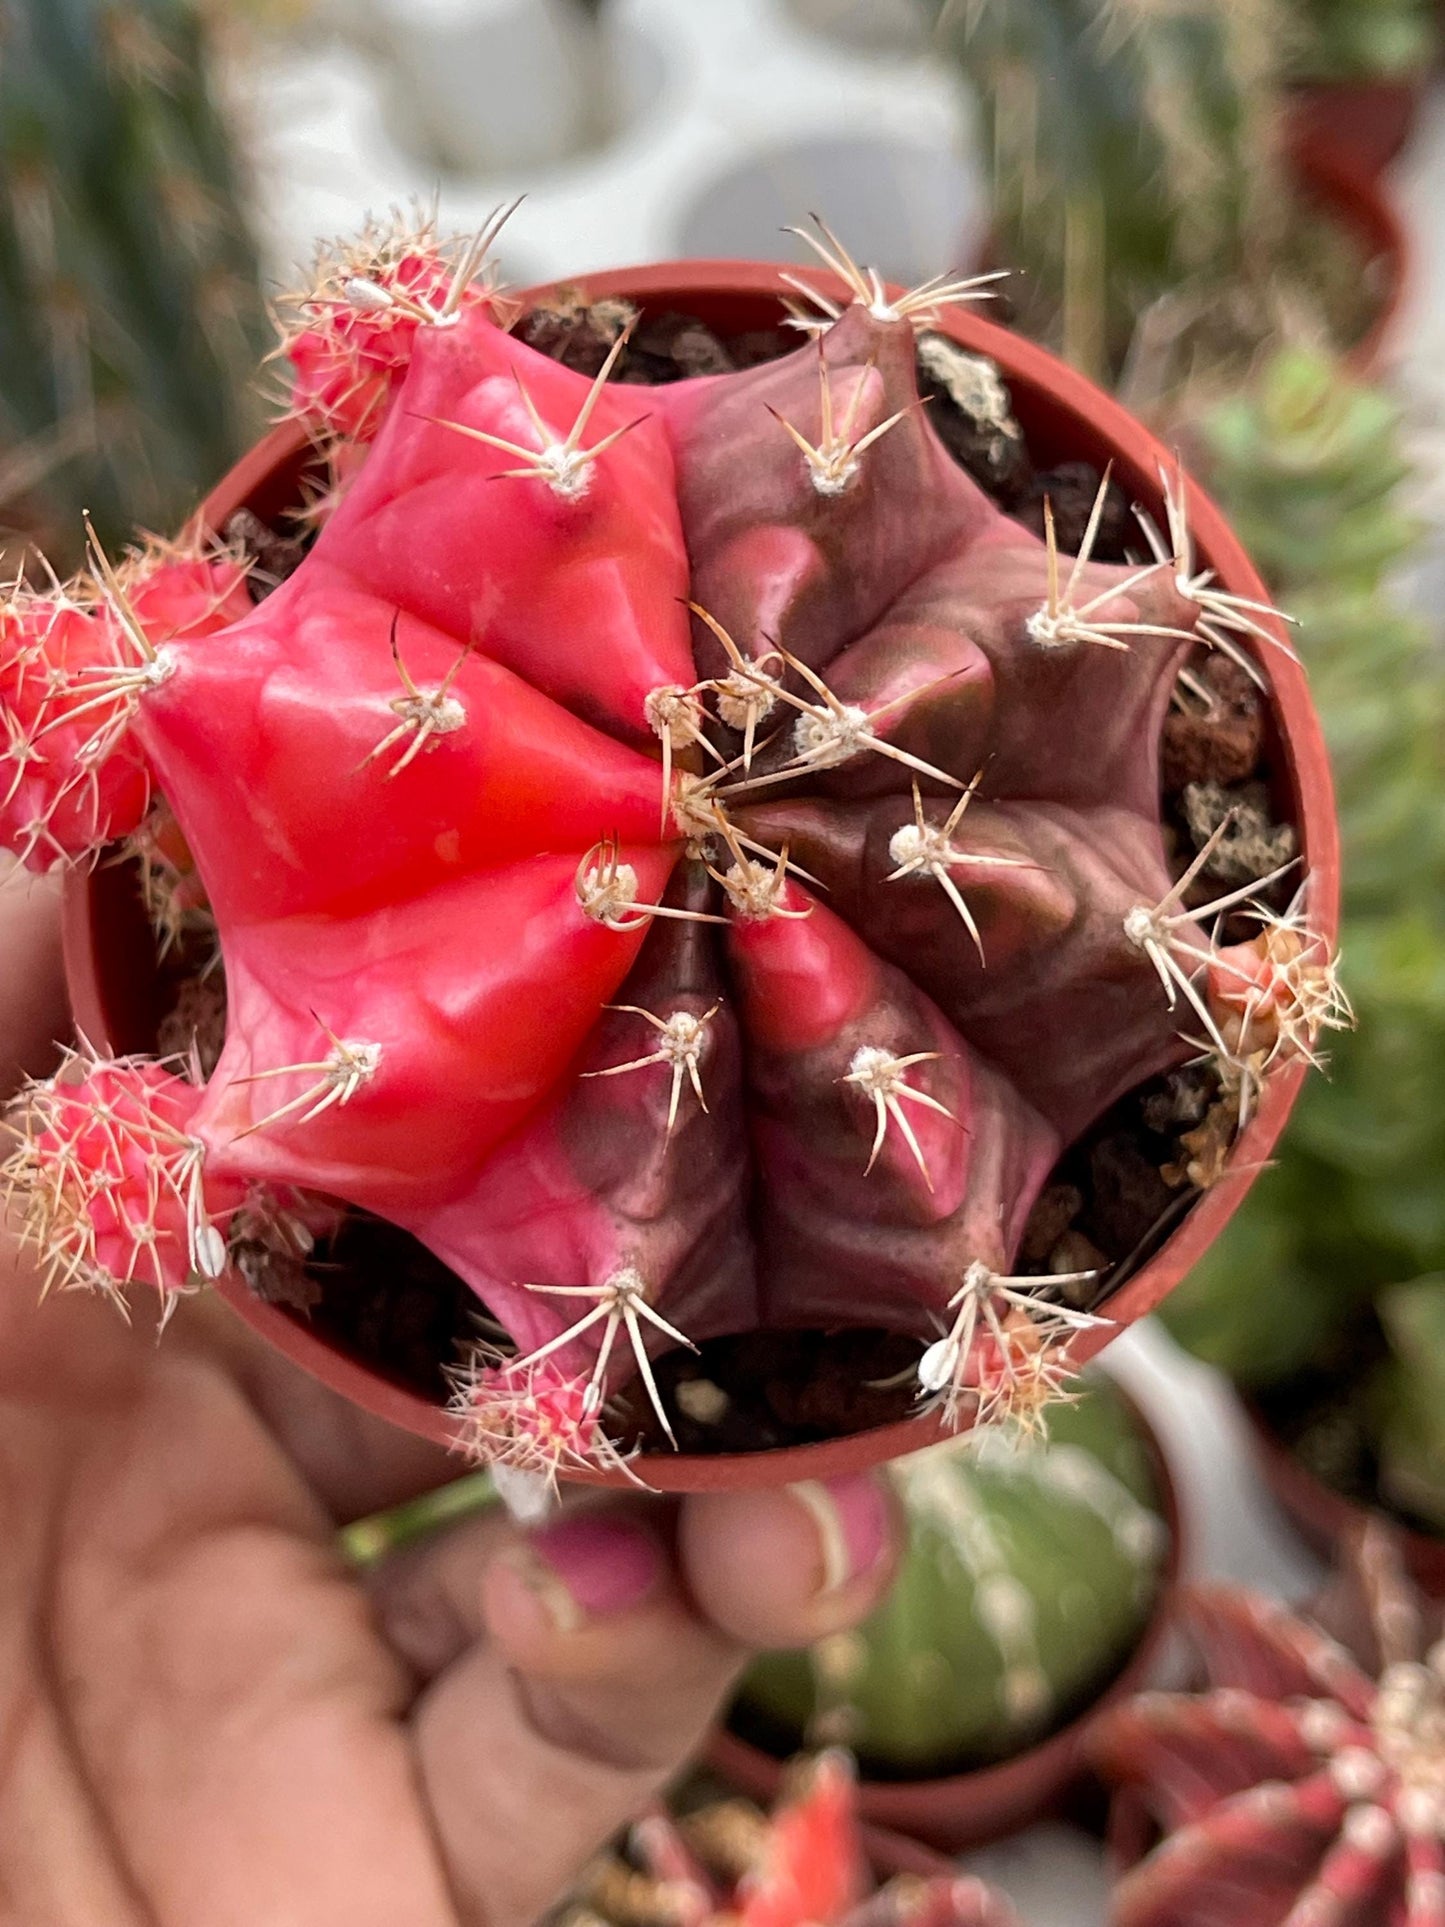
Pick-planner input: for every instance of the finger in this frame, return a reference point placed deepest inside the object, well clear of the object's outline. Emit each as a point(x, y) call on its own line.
point(788, 1566)
point(34, 1015)
point(578, 1673)
point(589, 1680)
point(354, 1463)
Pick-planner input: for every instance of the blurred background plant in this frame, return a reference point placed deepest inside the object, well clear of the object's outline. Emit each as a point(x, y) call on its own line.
point(1145, 184)
point(131, 316)
point(1033, 1566)
point(1324, 1297)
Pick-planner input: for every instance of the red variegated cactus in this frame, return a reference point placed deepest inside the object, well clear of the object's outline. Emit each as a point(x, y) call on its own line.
point(1304, 1784)
point(686, 856)
point(805, 1867)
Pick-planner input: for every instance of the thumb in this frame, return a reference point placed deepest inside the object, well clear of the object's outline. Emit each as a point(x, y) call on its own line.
point(575, 1669)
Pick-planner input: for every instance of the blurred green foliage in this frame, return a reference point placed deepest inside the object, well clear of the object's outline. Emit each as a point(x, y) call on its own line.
point(1366, 39)
point(1131, 153)
point(131, 320)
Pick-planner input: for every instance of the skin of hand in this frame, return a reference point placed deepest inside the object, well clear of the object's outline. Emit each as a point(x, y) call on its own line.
point(208, 1719)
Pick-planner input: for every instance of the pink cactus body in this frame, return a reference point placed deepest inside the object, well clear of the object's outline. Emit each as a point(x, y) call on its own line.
point(669, 971)
point(1300, 1787)
point(810, 1870)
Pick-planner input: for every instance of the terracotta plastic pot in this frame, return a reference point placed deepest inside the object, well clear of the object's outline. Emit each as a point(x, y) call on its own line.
point(110, 955)
point(1357, 199)
point(964, 1810)
point(891, 1853)
point(1326, 1519)
point(1363, 124)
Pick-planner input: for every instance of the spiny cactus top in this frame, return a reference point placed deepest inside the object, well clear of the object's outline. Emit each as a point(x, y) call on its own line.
point(685, 855)
point(806, 1866)
point(1305, 1786)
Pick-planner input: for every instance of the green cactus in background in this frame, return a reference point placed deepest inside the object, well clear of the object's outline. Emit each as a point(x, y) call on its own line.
point(1311, 466)
point(1366, 39)
point(1131, 150)
point(1345, 1234)
point(130, 312)
point(1030, 1572)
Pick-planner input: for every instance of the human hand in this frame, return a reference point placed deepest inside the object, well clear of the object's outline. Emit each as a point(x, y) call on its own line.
point(208, 1719)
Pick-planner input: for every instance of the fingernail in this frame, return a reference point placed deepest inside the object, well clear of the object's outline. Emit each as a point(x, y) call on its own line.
point(851, 1516)
point(591, 1567)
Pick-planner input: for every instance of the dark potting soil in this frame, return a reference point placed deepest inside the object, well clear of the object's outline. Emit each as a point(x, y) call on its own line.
point(382, 1298)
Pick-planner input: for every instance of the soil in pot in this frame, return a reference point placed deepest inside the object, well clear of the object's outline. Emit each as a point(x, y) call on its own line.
point(388, 1303)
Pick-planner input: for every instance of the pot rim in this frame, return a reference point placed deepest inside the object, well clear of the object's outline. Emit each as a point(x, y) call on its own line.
point(1093, 424)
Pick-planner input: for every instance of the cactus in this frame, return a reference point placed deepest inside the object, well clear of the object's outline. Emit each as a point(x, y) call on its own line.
point(632, 800)
point(1304, 1783)
point(1131, 149)
point(805, 1867)
point(1031, 1569)
point(130, 308)
point(1309, 461)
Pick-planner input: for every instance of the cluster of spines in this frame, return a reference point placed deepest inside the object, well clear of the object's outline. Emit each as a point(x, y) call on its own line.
point(347, 336)
point(111, 1179)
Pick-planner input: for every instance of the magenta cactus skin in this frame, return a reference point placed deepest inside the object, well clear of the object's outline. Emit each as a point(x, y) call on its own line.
point(684, 854)
point(1300, 1787)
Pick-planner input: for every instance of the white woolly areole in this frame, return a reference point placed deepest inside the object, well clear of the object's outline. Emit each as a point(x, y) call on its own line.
point(530, 1497)
point(826, 740)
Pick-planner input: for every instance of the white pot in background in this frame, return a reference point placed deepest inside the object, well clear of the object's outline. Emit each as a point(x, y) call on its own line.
point(881, 26)
point(905, 209)
point(477, 87)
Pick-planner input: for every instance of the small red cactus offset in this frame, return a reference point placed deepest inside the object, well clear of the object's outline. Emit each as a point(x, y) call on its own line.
point(73, 663)
point(113, 1173)
point(686, 856)
point(807, 1866)
point(1304, 1786)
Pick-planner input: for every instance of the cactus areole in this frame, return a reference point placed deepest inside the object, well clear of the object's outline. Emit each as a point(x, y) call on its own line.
point(680, 853)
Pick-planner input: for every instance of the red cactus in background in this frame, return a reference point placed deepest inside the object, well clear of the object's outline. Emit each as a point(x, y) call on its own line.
point(687, 856)
point(1304, 1785)
point(805, 1867)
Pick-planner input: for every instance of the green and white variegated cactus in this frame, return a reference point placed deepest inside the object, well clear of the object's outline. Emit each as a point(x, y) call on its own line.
point(1031, 1570)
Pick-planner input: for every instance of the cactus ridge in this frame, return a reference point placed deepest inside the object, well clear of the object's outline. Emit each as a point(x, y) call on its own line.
point(692, 868)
